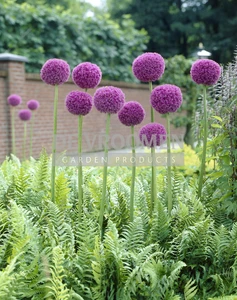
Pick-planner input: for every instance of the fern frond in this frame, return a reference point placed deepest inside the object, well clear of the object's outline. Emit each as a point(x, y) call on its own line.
point(190, 290)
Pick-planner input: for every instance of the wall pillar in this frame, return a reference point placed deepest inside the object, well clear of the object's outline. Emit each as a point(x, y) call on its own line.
point(12, 81)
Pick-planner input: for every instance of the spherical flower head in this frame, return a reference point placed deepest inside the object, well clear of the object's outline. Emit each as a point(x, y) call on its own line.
point(205, 71)
point(148, 67)
point(14, 100)
point(152, 134)
point(24, 114)
point(109, 99)
point(166, 98)
point(78, 103)
point(87, 75)
point(33, 104)
point(131, 114)
point(55, 71)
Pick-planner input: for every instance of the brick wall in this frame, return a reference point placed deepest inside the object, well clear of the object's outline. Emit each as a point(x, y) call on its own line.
point(14, 80)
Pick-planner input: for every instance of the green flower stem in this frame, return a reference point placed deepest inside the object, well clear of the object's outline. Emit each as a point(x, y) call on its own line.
point(133, 177)
point(80, 175)
point(152, 109)
point(203, 163)
point(13, 130)
point(154, 188)
point(31, 131)
point(153, 169)
point(24, 142)
point(169, 166)
point(54, 143)
point(103, 200)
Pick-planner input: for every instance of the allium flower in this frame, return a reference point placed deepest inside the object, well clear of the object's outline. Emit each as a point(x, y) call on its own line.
point(78, 103)
point(55, 71)
point(33, 104)
point(131, 114)
point(14, 100)
point(86, 75)
point(148, 67)
point(24, 114)
point(109, 99)
point(166, 98)
point(205, 71)
point(152, 134)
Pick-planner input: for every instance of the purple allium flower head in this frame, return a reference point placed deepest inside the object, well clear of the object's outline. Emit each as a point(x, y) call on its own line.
point(109, 99)
point(55, 71)
point(131, 114)
point(86, 75)
point(14, 100)
point(205, 71)
point(78, 103)
point(33, 104)
point(148, 66)
point(166, 98)
point(24, 114)
point(152, 134)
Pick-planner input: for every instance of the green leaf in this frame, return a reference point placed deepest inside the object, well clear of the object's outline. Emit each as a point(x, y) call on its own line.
point(216, 126)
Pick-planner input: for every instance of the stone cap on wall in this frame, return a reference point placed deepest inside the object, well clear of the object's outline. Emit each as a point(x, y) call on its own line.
point(12, 57)
point(130, 85)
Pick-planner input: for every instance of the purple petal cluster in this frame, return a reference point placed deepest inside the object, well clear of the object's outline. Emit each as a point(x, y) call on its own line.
point(166, 98)
point(109, 99)
point(78, 103)
point(33, 104)
point(131, 114)
point(55, 71)
point(152, 134)
point(14, 100)
point(87, 75)
point(148, 66)
point(205, 71)
point(24, 114)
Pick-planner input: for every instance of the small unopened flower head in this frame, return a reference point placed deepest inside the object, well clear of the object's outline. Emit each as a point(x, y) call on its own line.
point(166, 98)
point(24, 114)
point(205, 71)
point(152, 134)
point(109, 99)
point(78, 103)
point(131, 114)
point(87, 75)
point(33, 104)
point(148, 66)
point(55, 71)
point(14, 100)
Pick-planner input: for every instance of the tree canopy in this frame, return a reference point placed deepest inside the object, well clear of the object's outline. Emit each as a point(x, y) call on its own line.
point(178, 26)
point(41, 32)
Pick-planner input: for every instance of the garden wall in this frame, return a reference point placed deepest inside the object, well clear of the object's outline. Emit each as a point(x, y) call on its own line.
point(13, 79)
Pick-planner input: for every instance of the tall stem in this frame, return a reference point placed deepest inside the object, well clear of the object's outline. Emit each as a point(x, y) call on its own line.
point(133, 176)
point(203, 163)
point(24, 142)
point(54, 142)
point(103, 199)
point(152, 109)
point(31, 131)
point(153, 170)
point(80, 178)
point(169, 165)
point(154, 188)
point(13, 130)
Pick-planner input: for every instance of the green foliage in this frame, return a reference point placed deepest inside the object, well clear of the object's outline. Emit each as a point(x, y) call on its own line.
point(41, 32)
point(45, 253)
point(221, 145)
point(178, 26)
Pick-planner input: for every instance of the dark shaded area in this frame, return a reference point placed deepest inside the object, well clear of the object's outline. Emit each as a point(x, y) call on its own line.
point(178, 26)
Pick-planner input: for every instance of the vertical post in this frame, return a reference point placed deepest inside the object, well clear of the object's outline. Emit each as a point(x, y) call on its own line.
point(12, 81)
